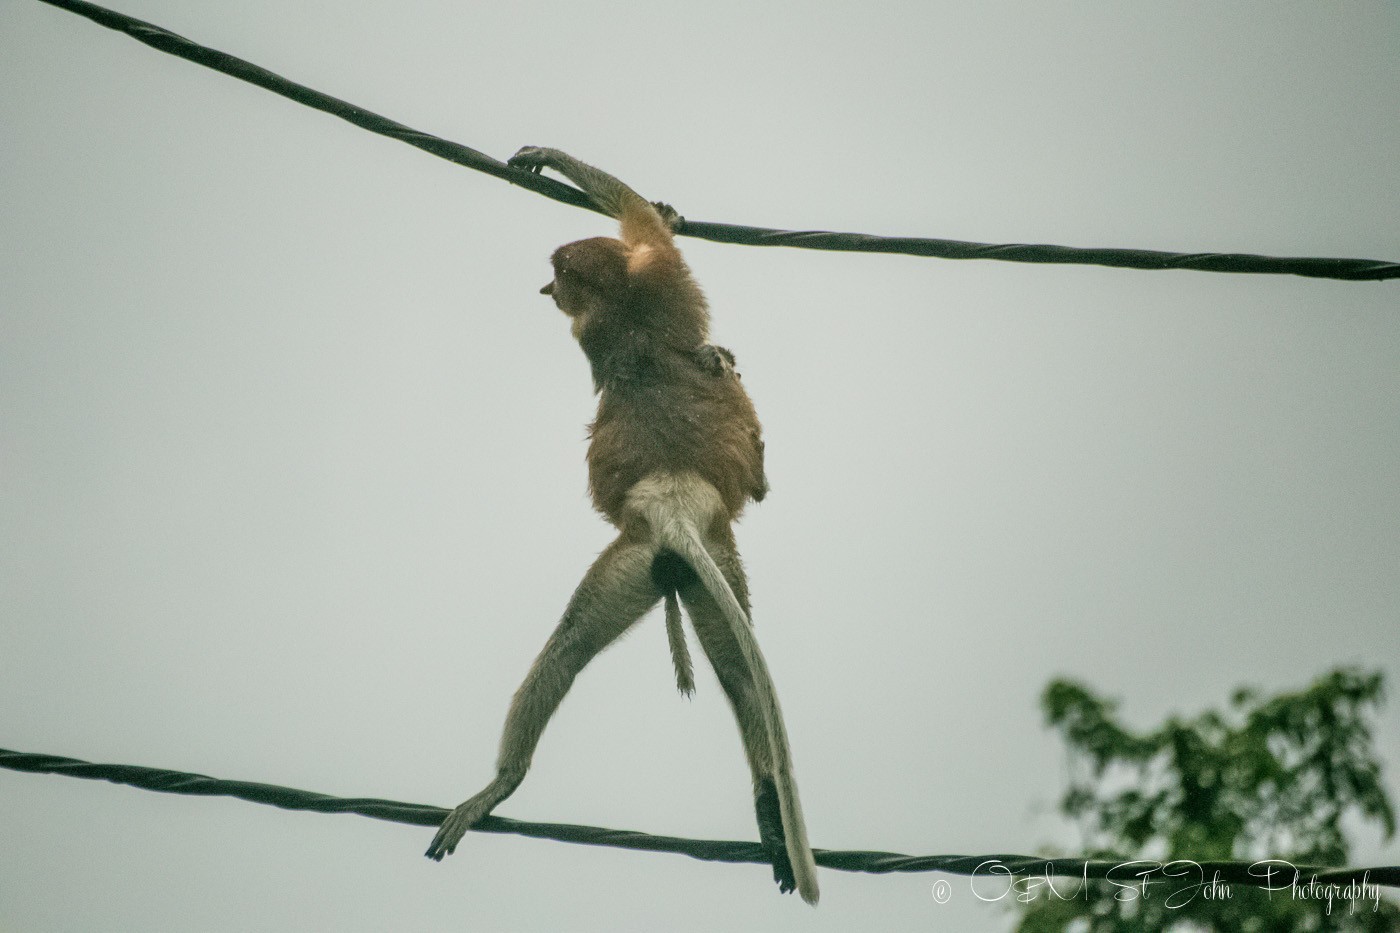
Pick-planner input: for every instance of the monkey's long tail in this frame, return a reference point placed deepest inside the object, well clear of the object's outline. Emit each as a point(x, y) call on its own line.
point(680, 654)
point(683, 537)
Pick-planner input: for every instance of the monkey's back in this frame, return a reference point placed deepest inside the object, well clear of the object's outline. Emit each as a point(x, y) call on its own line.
point(660, 412)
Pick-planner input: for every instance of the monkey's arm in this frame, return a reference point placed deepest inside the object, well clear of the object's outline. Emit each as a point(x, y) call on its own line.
point(643, 224)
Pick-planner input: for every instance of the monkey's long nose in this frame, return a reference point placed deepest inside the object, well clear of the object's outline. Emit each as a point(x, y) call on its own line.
point(548, 289)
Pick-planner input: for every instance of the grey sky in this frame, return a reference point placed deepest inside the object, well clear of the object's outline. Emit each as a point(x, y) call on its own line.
point(291, 452)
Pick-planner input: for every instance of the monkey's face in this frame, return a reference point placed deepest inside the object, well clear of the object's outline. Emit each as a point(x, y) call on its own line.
point(588, 275)
point(574, 297)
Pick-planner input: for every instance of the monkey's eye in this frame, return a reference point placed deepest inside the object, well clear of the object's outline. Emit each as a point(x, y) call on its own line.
point(548, 289)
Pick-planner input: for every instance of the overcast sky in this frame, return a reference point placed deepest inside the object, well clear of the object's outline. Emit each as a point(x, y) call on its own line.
point(293, 484)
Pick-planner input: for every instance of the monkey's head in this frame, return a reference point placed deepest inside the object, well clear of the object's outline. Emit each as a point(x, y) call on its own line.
point(588, 275)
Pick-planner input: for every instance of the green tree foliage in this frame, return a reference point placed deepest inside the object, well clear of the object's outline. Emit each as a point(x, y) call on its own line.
point(1269, 778)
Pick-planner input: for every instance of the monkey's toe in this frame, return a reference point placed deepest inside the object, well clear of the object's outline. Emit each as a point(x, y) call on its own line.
point(782, 868)
point(448, 835)
point(440, 847)
point(772, 837)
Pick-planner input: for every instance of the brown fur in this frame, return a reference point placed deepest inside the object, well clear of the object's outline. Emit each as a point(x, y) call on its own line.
point(640, 324)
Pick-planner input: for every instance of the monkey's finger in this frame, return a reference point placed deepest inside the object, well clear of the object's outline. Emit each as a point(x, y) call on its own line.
point(530, 158)
point(444, 843)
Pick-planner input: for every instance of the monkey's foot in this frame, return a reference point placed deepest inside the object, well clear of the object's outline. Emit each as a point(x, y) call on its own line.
point(463, 818)
point(771, 835)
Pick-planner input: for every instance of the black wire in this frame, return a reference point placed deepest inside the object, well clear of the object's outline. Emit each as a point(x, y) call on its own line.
point(155, 36)
point(709, 850)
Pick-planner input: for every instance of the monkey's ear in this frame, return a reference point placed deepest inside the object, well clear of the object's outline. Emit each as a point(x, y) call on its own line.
point(548, 289)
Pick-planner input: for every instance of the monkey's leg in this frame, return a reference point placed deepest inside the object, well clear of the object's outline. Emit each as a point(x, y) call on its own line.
point(615, 592)
point(742, 686)
point(719, 646)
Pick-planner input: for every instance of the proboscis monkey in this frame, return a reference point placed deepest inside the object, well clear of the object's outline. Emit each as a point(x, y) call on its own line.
point(675, 454)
